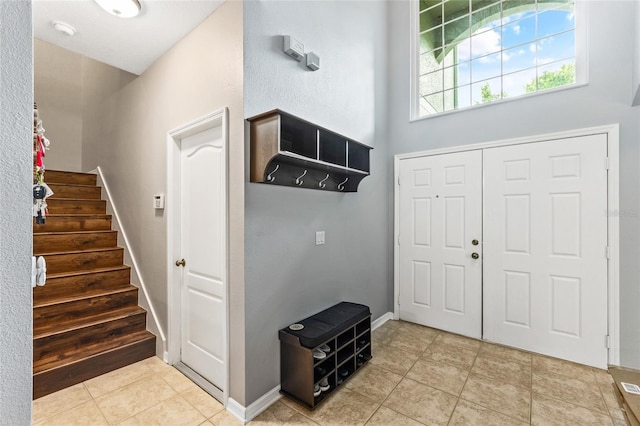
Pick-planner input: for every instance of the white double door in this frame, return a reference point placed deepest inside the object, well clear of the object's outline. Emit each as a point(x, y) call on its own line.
point(538, 214)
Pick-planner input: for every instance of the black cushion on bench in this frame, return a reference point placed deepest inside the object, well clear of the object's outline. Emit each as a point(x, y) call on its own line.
point(322, 326)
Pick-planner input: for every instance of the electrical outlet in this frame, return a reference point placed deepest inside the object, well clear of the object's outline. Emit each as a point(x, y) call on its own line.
point(319, 238)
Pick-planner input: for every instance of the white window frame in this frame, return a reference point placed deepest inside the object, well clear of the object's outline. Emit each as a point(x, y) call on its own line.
point(582, 63)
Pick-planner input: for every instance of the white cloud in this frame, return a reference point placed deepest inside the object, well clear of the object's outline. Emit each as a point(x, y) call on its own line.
point(532, 47)
point(482, 44)
point(516, 29)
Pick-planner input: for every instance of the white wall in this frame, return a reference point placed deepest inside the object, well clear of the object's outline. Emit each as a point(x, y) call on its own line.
point(16, 170)
point(605, 100)
point(287, 277)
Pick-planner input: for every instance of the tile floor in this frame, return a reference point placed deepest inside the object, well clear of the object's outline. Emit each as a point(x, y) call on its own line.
point(418, 375)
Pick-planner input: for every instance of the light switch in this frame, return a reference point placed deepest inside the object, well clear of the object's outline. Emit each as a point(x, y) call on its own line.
point(319, 238)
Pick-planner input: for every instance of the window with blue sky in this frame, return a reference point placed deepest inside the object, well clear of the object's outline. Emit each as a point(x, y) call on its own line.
point(476, 51)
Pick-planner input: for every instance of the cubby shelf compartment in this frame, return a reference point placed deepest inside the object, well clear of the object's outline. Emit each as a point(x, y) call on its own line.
point(300, 371)
point(286, 150)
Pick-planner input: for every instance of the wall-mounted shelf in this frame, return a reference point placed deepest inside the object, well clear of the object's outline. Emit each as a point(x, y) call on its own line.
point(286, 150)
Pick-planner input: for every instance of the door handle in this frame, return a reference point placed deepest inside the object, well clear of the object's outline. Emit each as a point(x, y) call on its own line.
point(181, 263)
point(475, 255)
point(474, 242)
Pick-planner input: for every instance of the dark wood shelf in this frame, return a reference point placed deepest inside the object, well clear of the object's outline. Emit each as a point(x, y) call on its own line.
point(300, 372)
point(289, 151)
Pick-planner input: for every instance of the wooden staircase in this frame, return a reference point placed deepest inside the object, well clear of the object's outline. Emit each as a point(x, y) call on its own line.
point(86, 319)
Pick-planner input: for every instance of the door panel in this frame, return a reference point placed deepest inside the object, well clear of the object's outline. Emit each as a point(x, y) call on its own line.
point(203, 246)
point(545, 233)
point(440, 214)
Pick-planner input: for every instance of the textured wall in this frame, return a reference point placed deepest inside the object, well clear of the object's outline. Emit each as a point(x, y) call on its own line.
point(636, 57)
point(287, 276)
point(125, 124)
point(605, 100)
point(58, 93)
point(16, 121)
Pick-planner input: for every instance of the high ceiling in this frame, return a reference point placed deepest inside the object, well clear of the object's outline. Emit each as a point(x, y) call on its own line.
point(131, 44)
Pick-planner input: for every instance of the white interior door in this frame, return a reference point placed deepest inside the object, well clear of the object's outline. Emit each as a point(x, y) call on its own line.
point(440, 215)
point(203, 242)
point(545, 238)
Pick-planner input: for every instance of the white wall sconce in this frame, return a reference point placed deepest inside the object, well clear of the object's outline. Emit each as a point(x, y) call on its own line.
point(313, 61)
point(121, 8)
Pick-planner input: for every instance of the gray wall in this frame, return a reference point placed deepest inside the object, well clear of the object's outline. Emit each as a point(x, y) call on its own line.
point(288, 277)
point(636, 57)
point(605, 100)
point(16, 169)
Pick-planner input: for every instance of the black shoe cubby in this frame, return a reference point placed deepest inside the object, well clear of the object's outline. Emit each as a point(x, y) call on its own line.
point(340, 327)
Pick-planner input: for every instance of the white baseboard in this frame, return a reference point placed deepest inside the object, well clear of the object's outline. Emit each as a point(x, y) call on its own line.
point(246, 414)
point(384, 318)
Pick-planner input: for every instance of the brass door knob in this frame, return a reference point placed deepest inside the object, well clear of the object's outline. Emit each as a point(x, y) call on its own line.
point(475, 255)
point(180, 262)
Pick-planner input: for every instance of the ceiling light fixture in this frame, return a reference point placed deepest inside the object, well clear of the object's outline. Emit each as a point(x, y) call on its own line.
point(63, 28)
point(121, 8)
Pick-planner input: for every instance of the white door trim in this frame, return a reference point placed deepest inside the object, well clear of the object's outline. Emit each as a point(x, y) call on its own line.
point(172, 211)
point(613, 215)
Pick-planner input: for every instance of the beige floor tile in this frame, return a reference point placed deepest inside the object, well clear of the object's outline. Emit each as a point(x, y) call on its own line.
point(86, 414)
point(386, 417)
point(502, 369)
point(155, 364)
point(420, 329)
point(602, 377)
point(277, 414)
point(421, 402)
point(374, 382)
point(175, 411)
point(225, 418)
point(132, 399)
point(448, 354)
point(468, 413)
point(178, 381)
point(202, 401)
point(116, 379)
point(445, 377)
point(391, 325)
point(570, 390)
point(409, 340)
point(553, 366)
point(344, 407)
point(299, 420)
point(381, 335)
point(610, 398)
point(505, 398)
point(503, 352)
point(548, 411)
point(60, 401)
point(459, 341)
point(393, 359)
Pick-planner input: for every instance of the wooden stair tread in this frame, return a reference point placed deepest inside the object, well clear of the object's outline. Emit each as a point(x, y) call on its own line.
point(88, 271)
point(88, 294)
point(76, 232)
point(86, 320)
point(67, 326)
point(87, 251)
point(110, 345)
point(82, 368)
